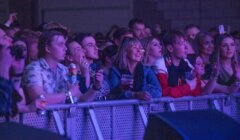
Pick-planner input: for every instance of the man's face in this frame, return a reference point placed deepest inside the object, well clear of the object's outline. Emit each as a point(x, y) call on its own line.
point(139, 30)
point(90, 47)
point(180, 48)
point(4, 39)
point(57, 48)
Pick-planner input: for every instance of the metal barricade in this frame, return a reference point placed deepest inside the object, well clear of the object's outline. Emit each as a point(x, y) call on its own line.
point(121, 119)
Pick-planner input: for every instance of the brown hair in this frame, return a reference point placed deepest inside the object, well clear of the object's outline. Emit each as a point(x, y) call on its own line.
point(46, 39)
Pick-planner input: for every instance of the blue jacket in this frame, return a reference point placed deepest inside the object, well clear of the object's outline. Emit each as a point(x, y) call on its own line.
point(150, 83)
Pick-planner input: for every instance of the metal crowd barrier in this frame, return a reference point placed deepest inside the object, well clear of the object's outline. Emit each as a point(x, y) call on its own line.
point(120, 119)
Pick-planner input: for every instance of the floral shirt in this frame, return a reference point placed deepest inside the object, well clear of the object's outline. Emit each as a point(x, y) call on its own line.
point(39, 73)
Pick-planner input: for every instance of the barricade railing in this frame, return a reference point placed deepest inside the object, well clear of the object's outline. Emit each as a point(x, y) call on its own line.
point(120, 119)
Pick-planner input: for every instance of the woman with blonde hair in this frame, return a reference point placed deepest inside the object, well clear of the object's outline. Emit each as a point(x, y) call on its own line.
point(129, 78)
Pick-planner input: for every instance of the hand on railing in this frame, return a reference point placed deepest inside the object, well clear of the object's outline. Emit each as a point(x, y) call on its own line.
point(142, 95)
point(192, 83)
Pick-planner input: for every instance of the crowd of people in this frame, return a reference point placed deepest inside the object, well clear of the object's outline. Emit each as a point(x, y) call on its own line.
point(133, 62)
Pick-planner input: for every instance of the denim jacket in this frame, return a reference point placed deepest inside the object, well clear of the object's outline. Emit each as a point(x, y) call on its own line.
point(150, 83)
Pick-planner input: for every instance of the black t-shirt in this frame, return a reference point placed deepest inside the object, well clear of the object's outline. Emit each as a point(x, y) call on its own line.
point(177, 73)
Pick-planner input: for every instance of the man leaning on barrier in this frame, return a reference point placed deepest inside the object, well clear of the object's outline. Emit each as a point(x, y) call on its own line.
point(47, 76)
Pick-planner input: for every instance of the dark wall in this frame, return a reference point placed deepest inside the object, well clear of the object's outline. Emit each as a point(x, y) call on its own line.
point(179, 13)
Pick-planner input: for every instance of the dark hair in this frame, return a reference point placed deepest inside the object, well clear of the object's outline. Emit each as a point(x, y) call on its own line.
point(189, 26)
point(70, 40)
point(46, 39)
point(109, 51)
point(134, 21)
point(28, 36)
point(236, 34)
point(171, 37)
point(120, 32)
point(81, 36)
point(192, 58)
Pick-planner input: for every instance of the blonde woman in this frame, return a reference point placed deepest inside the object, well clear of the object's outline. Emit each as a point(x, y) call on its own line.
point(128, 77)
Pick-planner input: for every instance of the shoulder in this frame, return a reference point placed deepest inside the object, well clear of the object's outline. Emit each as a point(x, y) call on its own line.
point(63, 68)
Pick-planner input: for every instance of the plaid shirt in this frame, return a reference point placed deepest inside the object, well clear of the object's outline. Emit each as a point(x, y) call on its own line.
point(6, 99)
point(39, 73)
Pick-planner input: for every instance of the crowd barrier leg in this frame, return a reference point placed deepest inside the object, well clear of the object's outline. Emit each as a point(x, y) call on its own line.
point(143, 115)
point(95, 123)
point(172, 106)
point(70, 122)
point(216, 104)
point(58, 123)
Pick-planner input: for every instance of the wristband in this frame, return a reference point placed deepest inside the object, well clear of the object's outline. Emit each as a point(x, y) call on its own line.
point(69, 95)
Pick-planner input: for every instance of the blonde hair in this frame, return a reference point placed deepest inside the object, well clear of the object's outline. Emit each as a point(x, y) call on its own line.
point(120, 59)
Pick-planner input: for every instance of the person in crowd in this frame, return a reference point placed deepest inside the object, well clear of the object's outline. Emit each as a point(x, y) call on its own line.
point(12, 25)
point(210, 85)
point(148, 31)
point(5, 40)
point(31, 40)
point(226, 55)
point(213, 32)
point(205, 43)
point(173, 78)
point(191, 31)
point(119, 34)
point(153, 50)
point(107, 59)
point(76, 54)
point(47, 76)
point(7, 105)
point(138, 28)
point(190, 48)
point(111, 32)
point(19, 52)
point(236, 36)
point(129, 78)
point(88, 43)
point(100, 40)
point(6, 87)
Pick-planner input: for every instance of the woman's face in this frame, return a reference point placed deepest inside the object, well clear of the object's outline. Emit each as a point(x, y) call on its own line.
point(76, 51)
point(199, 66)
point(227, 48)
point(135, 52)
point(207, 45)
point(155, 49)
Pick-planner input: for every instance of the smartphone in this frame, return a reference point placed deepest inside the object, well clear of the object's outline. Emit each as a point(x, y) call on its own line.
point(221, 29)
